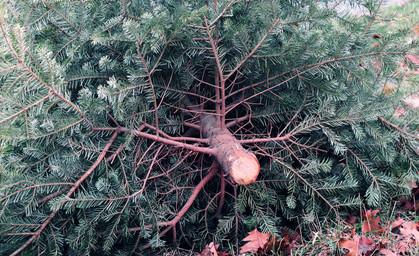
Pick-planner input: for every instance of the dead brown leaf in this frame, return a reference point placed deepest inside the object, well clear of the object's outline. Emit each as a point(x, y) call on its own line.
point(409, 229)
point(210, 250)
point(256, 240)
point(371, 223)
point(396, 224)
point(357, 246)
point(387, 252)
point(350, 219)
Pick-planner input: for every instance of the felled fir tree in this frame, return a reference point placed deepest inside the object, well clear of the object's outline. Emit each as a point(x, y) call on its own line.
point(127, 126)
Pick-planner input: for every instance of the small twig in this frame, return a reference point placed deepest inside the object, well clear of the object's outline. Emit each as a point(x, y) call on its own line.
point(179, 144)
point(397, 128)
point(52, 196)
point(111, 158)
point(222, 194)
point(237, 120)
point(185, 208)
point(372, 20)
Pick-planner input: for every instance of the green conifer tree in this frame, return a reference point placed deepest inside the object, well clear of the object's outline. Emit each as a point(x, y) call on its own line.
point(129, 125)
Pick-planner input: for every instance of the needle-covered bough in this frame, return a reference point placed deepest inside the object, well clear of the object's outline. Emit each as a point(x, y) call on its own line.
point(126, 125)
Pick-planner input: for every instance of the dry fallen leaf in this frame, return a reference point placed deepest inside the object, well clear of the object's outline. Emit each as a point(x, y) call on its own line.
point(351, 245)
point(257, 240)
point(402, 248)
point(371, 223)
point(396, 224)
point(409, 229)
point(289, 240)
point(366, 246)
point(210, 250)
point(357, 246)
point(387, 252)
point(350, 219)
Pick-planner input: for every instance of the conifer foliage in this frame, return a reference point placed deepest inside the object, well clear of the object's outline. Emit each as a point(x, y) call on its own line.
point(116, 116)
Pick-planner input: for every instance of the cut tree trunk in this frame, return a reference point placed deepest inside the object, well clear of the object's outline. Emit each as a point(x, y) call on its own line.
point(239, 163)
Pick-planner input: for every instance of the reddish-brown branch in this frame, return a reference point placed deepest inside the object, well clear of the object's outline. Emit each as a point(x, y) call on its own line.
point(223, 12)
point(308, 67)
point(111, 158)
point(176, 138)
point(185, 208)
point(372, 19)
point(222, 194)
point(69, 193)
point(237, 121)
point(262, 140)
point(359, 160)
point(171, 224)
point(34, 187)
point(219, 79)
point(253, 51)
point(62, 16)
point(223, 103)
point(179, 144)
point(26, 108)
point(155, 110)
point(387, 123)
point(52, 196)
point(308, 184)
point(195, 126)
point(195, 192)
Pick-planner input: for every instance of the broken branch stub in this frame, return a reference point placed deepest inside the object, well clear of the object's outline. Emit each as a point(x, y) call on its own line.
point(240, 164)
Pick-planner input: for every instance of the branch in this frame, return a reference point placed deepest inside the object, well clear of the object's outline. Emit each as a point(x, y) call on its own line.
point(222, 13)
point(308, 184)
point(262, 140)
point(237, 120)
point(219, 78)
point(253, 51)
point(185, 208)
point(69, 193)
point(397, 128)
point(308, 67)
point(195, 192)
point(222, 195)
point(179, 144)
point(176, 138)
point(51, 196)
point(372, 20)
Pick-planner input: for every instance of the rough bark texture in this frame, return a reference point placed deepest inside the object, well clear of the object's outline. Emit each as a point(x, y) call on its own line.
point(240, 164)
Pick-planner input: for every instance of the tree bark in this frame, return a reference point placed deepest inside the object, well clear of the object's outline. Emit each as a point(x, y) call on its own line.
point(239, 163)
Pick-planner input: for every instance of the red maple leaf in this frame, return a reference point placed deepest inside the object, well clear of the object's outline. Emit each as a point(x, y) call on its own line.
point(257, 240)
point(371, 223)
